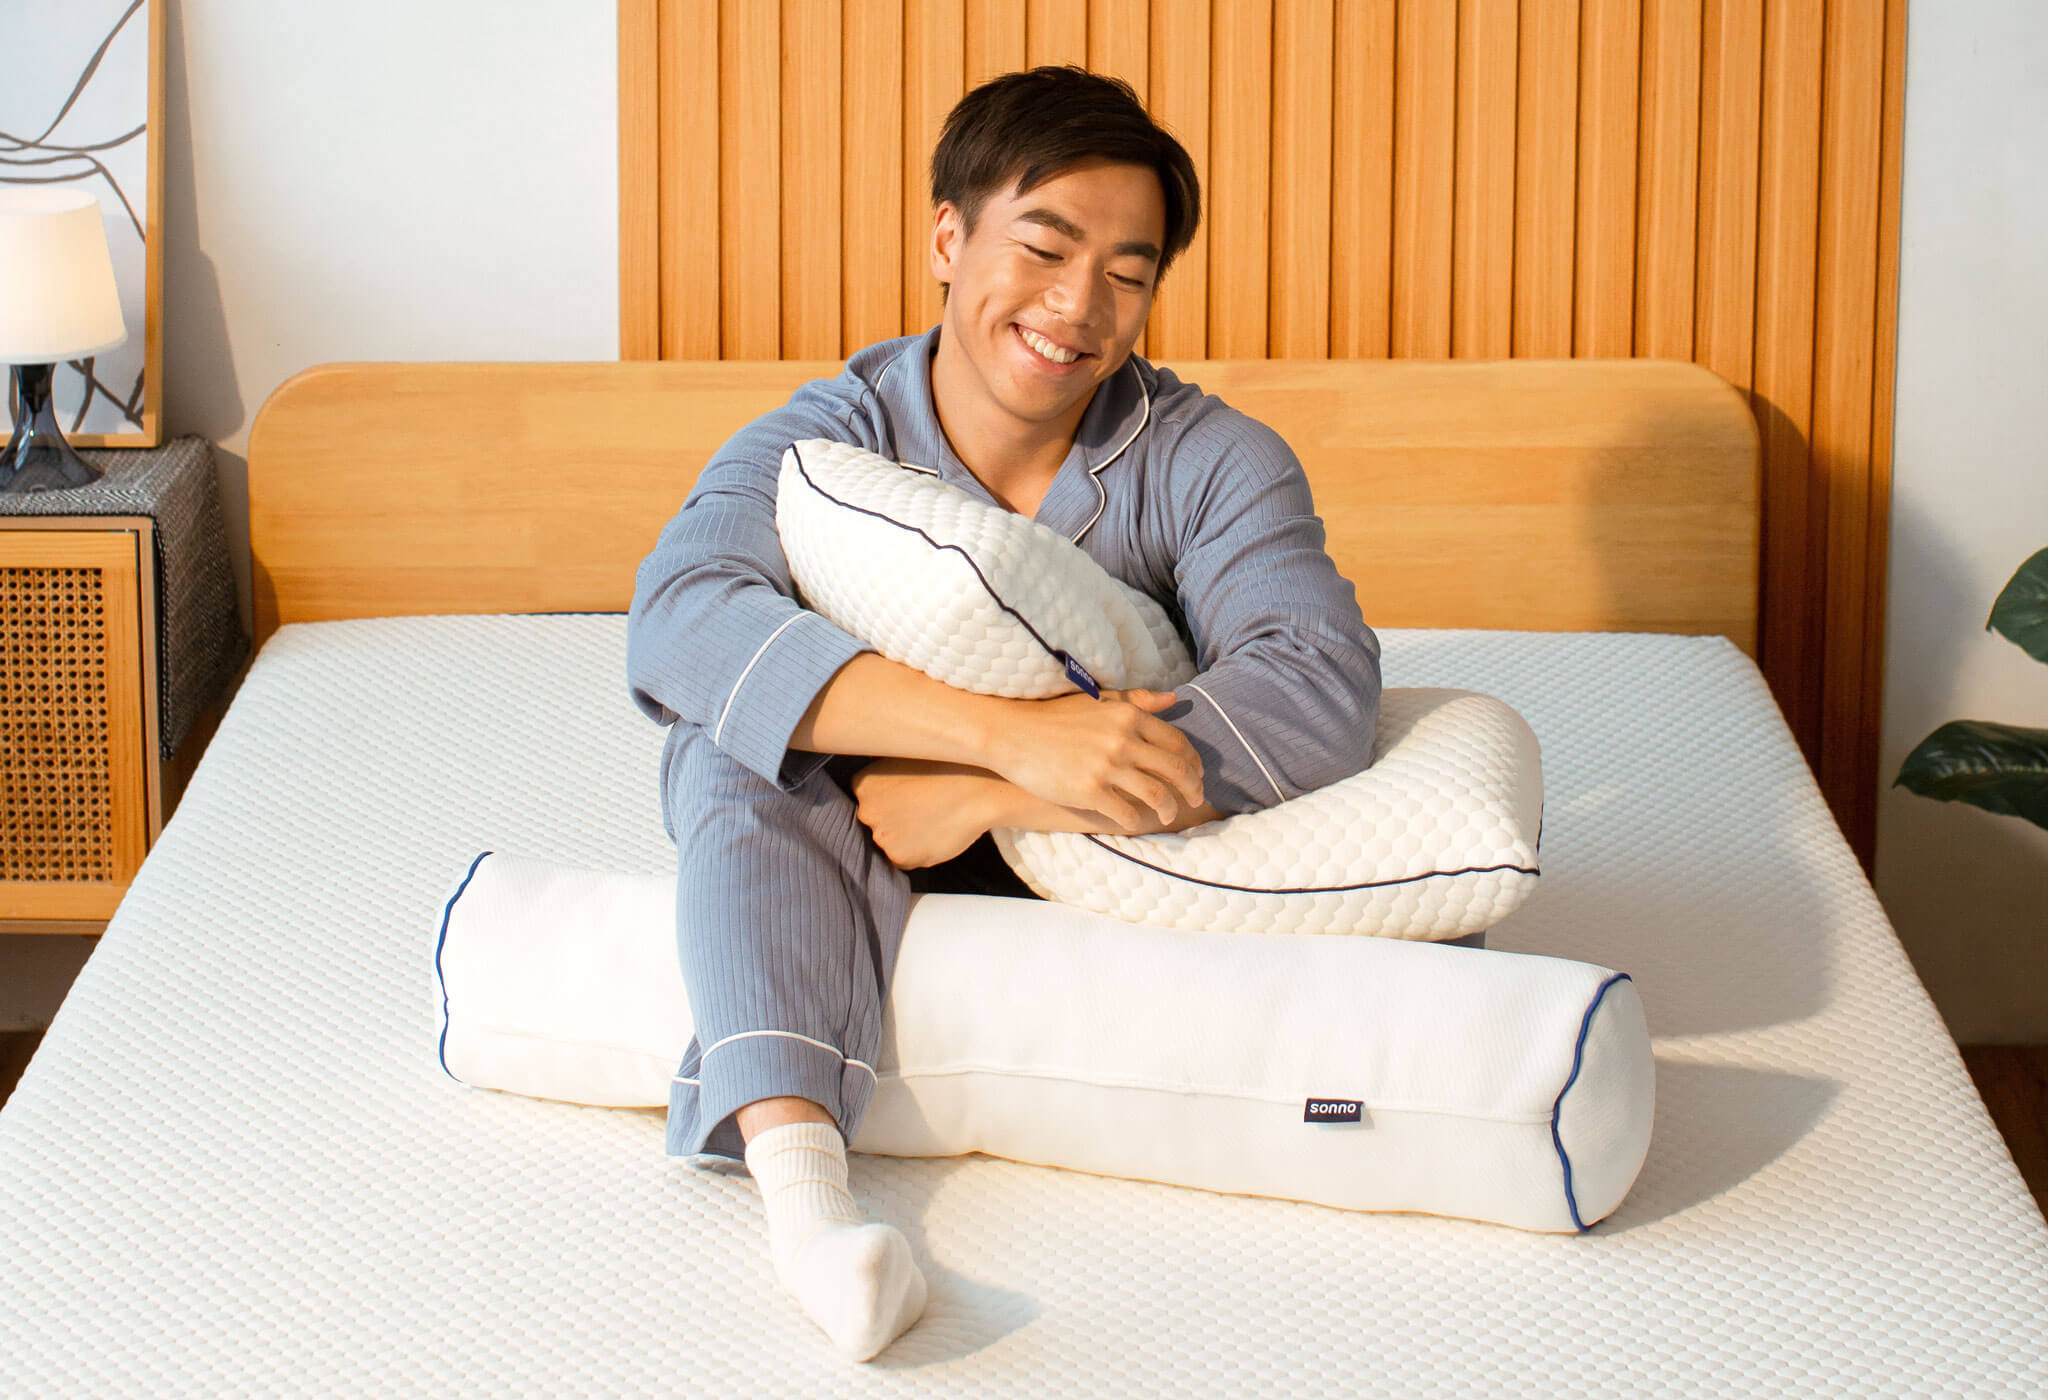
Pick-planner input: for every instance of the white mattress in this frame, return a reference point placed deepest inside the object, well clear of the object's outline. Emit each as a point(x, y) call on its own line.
point(234, 1166)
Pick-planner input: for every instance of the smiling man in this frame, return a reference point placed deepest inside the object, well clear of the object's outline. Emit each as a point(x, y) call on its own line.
point(812, 785)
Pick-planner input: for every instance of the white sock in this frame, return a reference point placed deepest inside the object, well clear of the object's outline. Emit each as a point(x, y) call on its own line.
point(855, 1280)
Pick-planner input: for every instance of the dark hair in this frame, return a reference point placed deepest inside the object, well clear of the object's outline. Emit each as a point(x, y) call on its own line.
point(1037, 124)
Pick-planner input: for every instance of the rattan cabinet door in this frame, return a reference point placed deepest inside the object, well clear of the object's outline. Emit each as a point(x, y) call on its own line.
point(73, 775)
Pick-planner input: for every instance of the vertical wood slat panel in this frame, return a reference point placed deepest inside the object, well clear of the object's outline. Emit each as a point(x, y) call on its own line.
point(1362, 181)
point(1667, 179)
point(1119, 45)
point(692, 279)
point(1483, 205)
point(871, 170)
point(1055, 31)
point(1610, 65)
point(811, 67)
point(1303, 36)
point(934, 78)
point(639, 180)
point(750, 179)
point(994, 36)
point(1546, 178)
point(1788, 192)
point(1240, 152)
point(1731, 104)
point(1179, 89)
point(1425, 153)
point(1120, 42)
point(1845, 303)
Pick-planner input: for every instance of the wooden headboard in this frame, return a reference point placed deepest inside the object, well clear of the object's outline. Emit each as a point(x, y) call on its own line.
point(1549, 495)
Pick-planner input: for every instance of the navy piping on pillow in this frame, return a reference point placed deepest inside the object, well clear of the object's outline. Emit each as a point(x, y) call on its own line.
point(440, 943)
point(1578, 1058)
point(1054, 652)
point(1314, 889)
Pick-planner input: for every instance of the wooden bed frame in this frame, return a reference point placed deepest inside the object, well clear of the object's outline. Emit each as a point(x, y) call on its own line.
point(1548, 495)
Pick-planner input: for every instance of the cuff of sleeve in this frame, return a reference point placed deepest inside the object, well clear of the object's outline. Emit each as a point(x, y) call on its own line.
point(773, 692)
point(1235, 777)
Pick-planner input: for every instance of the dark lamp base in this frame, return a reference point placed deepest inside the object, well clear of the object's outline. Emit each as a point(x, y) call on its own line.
point(37, 456)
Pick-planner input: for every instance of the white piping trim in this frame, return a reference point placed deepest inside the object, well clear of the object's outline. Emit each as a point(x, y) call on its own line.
point(727, 707)
point(1278, 795)
point(742, 1035)
point(1101, 493)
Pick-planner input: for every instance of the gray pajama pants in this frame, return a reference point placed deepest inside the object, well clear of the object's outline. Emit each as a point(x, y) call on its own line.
point(788, 918)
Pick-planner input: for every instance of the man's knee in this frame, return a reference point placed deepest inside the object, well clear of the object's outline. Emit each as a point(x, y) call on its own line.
point(706, 791)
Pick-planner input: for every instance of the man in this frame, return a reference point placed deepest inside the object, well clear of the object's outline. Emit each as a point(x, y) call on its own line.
point(804, 773)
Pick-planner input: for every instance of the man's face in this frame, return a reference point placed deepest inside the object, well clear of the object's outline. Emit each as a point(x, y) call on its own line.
point(1074, 261)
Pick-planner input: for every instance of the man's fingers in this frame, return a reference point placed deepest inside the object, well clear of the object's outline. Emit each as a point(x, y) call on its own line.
point(1120, 809)
point(1179, 764)
point(1154, 794)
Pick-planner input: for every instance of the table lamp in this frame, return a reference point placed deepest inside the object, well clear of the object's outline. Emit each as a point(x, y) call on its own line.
point(58, 302)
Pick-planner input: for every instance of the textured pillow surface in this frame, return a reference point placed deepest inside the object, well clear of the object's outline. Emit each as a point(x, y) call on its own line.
point(1361, 1073)
point(980, 598)
point(1436, 839)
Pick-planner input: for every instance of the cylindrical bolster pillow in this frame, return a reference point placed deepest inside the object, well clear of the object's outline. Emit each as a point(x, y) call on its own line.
point(1361, 1073)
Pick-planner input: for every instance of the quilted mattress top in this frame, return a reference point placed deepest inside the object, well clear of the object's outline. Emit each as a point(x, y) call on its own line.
point(234, 1167)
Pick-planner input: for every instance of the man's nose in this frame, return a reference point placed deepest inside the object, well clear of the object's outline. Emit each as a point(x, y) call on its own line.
point(1079, 294)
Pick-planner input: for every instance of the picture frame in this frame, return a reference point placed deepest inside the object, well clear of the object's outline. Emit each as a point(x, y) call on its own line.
point(83, 107)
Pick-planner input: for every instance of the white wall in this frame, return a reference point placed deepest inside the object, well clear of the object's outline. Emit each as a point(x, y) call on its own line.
point(1967, 890)
point(384, 180)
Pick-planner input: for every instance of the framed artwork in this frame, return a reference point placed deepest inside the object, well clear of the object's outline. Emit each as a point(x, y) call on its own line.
point(82, 106)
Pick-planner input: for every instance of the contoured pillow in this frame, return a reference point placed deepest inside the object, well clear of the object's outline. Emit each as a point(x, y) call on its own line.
point(1361, 1073)
point(1436, 839)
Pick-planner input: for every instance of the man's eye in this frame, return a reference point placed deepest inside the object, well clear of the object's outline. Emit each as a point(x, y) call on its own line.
point(1043, 253)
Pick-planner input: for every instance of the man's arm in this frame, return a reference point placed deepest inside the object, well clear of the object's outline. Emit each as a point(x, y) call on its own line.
point(1286, 699)
point(921, 813)
point(1110, 757)
point(715, 636)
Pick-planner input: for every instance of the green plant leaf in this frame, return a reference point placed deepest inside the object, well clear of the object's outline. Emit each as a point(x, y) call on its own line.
point(2021, 612)
point(1999, 767)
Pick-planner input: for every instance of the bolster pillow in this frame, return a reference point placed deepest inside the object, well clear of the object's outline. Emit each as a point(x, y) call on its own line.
point(1360, 1073)
point(1436, 839)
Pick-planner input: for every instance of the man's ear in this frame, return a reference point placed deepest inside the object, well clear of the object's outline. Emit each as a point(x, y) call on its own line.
point(947, 236)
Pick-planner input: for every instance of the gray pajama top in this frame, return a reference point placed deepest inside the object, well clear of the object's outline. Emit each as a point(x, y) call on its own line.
point(1167, 487)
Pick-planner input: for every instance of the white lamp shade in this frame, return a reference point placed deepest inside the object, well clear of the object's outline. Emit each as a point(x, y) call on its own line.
point(58, 300)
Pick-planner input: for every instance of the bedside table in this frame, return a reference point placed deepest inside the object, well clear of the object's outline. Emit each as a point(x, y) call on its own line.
point(119, 633)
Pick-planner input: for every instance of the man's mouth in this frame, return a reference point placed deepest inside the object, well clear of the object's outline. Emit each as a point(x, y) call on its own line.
point(1047, 353)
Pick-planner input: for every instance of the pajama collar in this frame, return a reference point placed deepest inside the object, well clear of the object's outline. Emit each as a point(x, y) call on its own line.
point(1111, 425)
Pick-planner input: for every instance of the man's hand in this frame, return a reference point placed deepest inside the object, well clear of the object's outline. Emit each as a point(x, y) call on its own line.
point(922, 812)
point(1110, 756)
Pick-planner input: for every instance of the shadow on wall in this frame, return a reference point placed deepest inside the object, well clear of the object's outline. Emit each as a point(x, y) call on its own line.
point(202, 393)
point(1963, 889)
point(1801, 709)
point(1962, 886)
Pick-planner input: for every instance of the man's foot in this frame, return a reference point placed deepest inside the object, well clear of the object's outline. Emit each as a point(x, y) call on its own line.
point(856, 1280)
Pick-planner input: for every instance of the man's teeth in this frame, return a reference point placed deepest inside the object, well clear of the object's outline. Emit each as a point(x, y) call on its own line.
point(1048, 349)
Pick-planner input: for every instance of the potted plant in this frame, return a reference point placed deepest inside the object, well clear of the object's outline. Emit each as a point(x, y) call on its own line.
point(1999, 767)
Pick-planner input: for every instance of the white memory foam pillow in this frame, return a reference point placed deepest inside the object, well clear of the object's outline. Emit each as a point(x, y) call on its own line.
point(1436, 839)
point(1361, 1073)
